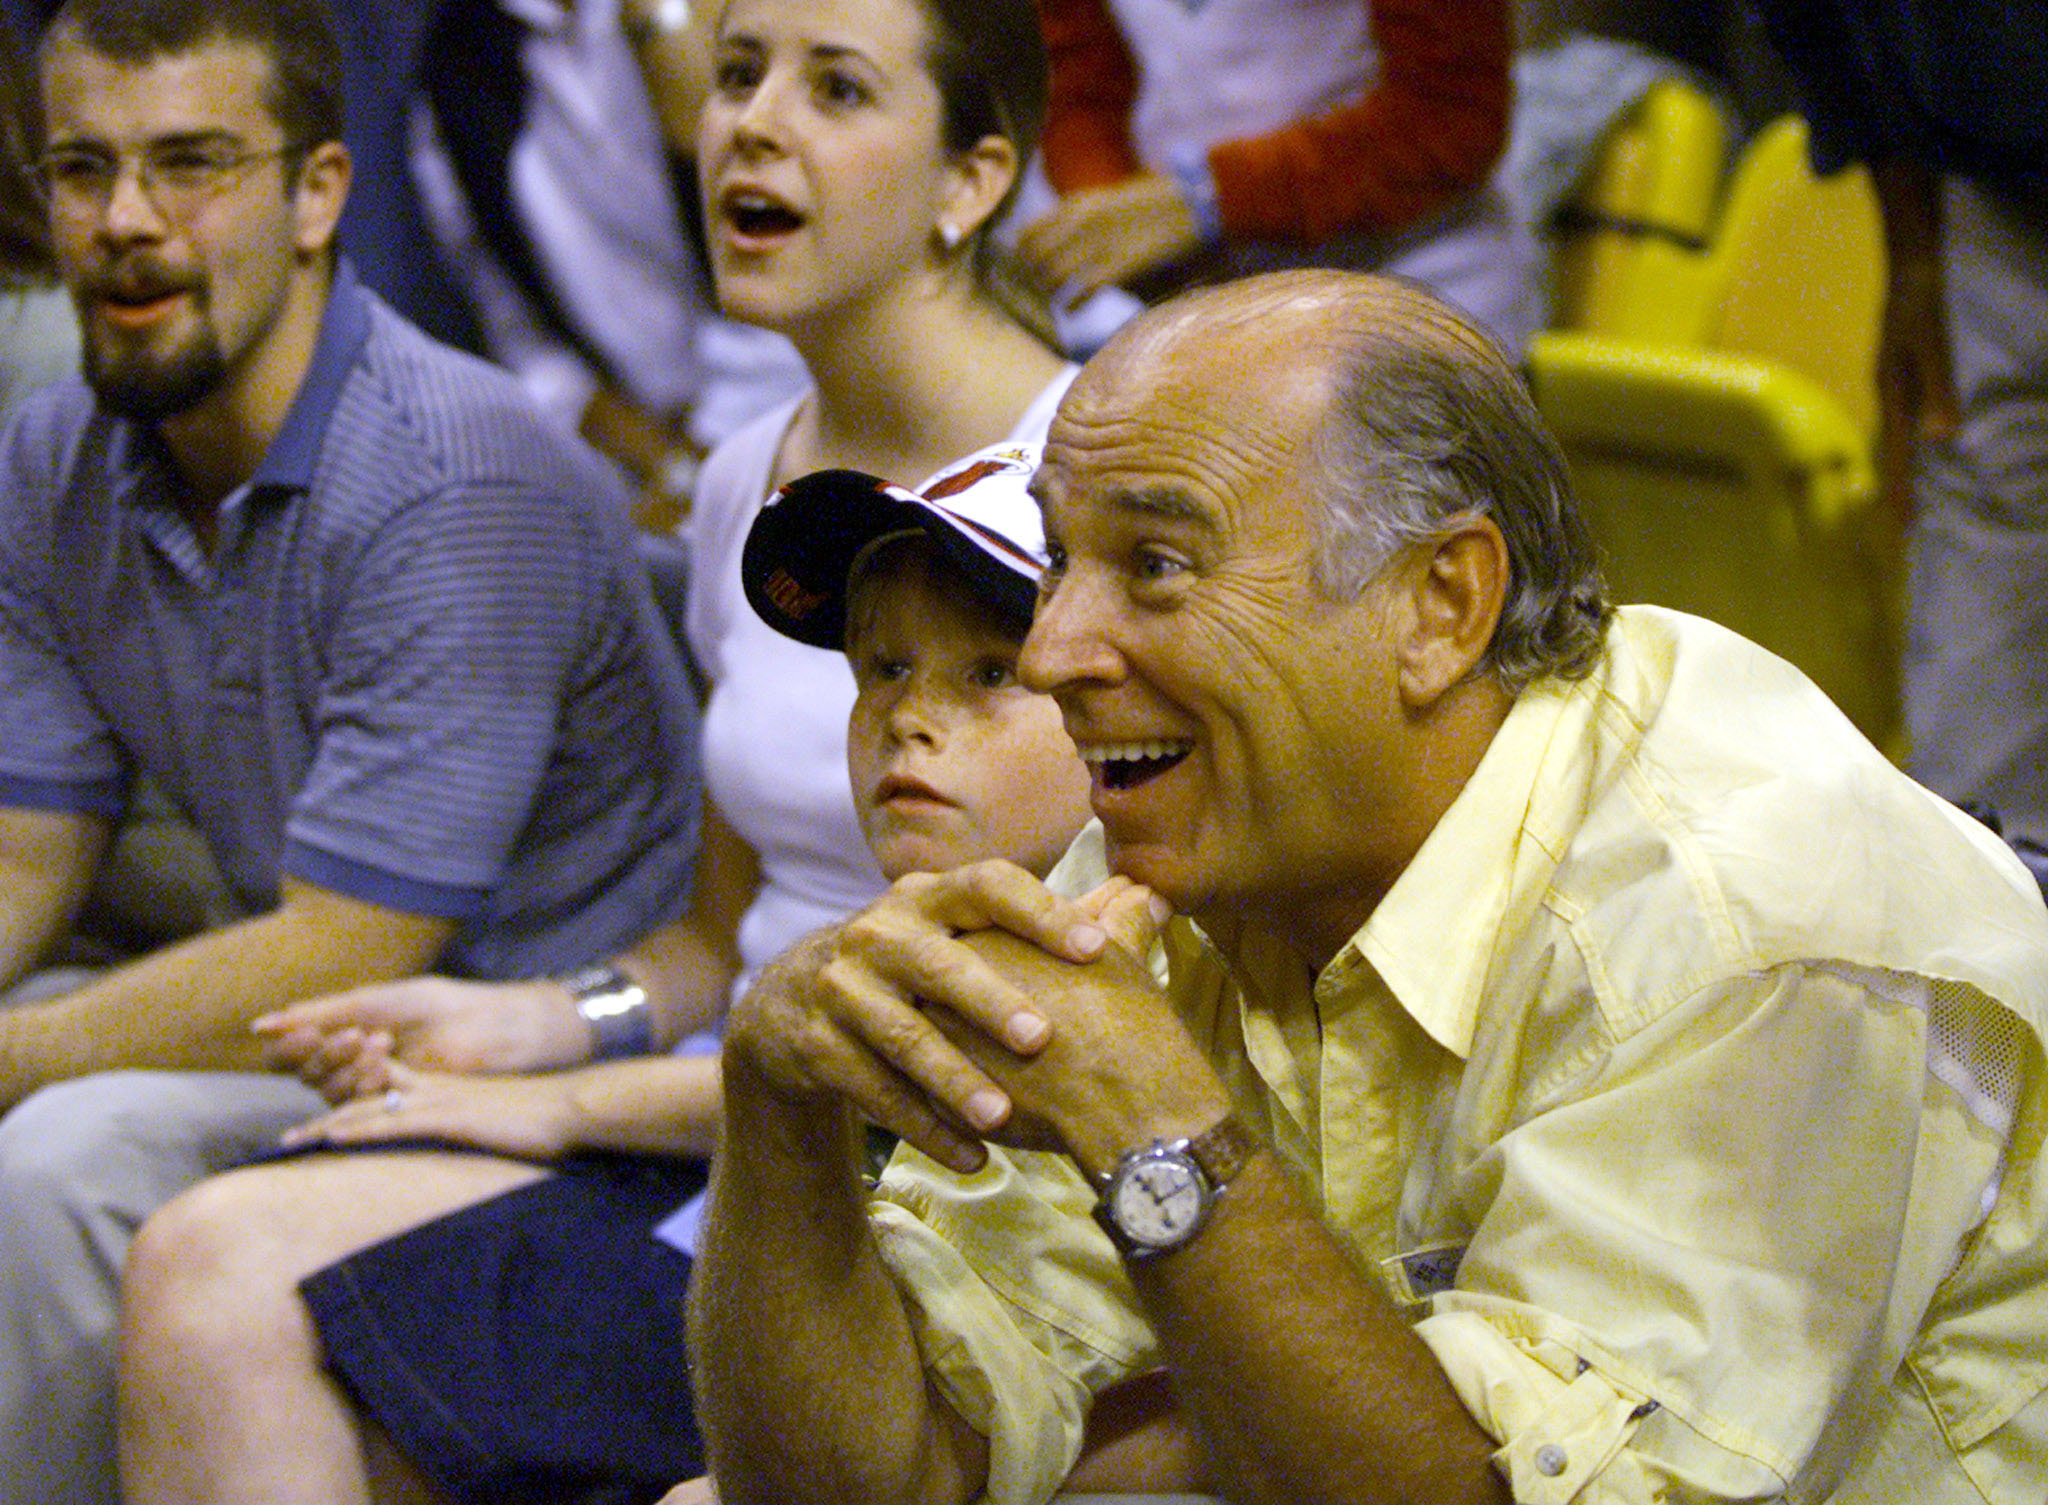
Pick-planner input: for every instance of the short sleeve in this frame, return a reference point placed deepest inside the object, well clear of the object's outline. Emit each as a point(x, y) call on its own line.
point(56, 750)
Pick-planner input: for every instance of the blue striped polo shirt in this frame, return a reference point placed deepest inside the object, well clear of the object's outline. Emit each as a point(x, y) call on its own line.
point(422, 667)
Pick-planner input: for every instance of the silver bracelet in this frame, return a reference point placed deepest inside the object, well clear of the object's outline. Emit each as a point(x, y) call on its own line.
point(615, 1007)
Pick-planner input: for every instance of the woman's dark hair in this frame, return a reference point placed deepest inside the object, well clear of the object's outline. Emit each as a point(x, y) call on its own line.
point(988, 60)
point(24, 231)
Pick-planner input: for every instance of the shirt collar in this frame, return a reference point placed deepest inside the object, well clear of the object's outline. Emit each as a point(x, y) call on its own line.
point(344, 327)
point(1485, 867)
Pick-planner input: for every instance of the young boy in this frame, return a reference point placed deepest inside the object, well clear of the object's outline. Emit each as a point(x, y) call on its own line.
point(930, 595)
point(545, 1320)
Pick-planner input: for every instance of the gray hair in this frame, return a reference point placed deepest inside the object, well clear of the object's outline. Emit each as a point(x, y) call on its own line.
point(1423, 432)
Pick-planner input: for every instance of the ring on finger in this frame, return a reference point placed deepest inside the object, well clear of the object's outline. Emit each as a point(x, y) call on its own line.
point(393, 1100)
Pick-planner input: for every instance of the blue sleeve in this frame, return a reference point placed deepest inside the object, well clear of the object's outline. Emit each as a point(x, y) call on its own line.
point(56, 750)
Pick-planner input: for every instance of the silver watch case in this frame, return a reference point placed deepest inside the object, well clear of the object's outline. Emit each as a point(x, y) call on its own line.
point(1155, 1200)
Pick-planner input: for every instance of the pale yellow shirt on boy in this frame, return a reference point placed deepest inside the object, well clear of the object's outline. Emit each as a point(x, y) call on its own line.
point(1687, 1090)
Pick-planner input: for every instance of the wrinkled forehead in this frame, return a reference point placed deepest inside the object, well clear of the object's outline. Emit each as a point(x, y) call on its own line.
point(1207, 412)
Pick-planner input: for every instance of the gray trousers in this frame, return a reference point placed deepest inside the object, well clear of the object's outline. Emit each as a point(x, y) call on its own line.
point(1975, 667)
point(81, 1165)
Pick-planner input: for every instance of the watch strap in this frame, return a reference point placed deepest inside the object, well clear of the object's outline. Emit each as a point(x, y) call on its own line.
point(1222, 1149)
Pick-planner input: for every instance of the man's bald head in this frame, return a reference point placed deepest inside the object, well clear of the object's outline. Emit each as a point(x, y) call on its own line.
point(1415, 419)
point(1309, 309)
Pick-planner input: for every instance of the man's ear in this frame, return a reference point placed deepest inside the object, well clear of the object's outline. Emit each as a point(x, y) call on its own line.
point(318, 195)
point(1457, 585)
point(981, 176)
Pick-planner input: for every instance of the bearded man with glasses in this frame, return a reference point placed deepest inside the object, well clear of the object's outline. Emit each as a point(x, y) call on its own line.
point(176, 179)
point(342, 594)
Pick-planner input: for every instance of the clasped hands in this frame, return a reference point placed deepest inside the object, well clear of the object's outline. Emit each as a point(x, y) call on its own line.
point(433, 1057)
point(343, 1045)
point(976, 1006)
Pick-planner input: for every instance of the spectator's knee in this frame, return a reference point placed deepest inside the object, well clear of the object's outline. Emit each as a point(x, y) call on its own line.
point(202, 1274)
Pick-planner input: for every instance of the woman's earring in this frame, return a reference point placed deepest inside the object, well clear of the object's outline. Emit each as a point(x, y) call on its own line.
point(949, 235)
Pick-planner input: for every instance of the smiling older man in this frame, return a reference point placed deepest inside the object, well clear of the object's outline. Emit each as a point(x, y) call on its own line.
point(1577, 1066)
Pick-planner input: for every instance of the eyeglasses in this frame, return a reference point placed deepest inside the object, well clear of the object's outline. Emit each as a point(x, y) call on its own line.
point(178, 177)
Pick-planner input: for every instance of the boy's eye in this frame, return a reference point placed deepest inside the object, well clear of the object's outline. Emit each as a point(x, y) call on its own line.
point(993, 674)
point(736, 75)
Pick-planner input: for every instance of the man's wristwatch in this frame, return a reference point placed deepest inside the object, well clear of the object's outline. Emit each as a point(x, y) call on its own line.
point(615, 1007)
point(1157, 1198)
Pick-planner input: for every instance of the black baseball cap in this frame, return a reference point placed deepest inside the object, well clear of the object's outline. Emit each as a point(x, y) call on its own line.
point(807, 543)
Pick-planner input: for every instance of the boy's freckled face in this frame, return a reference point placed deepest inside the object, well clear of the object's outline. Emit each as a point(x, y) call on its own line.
point(953, 761)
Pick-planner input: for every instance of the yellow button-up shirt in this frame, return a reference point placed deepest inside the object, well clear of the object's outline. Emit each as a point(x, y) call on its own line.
point(1686, 1089)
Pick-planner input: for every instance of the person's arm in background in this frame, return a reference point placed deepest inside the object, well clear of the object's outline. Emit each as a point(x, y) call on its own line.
point(1091, 84)
point(528, 332)
point(1428, 130)
point(344, 1044)
point(47, 861)
point(189, 1006)
point(671, 43)
point(650, 1105)
point(655, 449)
point(1916, 390)
point(1115, 220)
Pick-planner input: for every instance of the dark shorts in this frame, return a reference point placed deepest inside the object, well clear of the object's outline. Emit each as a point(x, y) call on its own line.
point(529, 1348)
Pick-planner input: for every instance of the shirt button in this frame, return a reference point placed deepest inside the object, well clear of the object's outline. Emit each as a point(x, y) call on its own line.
point(1550, 1460)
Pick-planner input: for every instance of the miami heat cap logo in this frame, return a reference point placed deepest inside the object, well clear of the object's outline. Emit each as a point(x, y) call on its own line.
point(805, 544)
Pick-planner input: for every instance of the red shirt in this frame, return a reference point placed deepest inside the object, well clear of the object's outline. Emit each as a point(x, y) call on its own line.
point(1428, 131)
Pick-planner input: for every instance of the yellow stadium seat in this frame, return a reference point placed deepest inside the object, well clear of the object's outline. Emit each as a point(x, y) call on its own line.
point(1798, 269)
point(1626, 250)
point(1729, 472)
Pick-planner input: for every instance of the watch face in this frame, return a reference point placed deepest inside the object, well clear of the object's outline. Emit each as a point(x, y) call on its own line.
point(1157, 1202)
